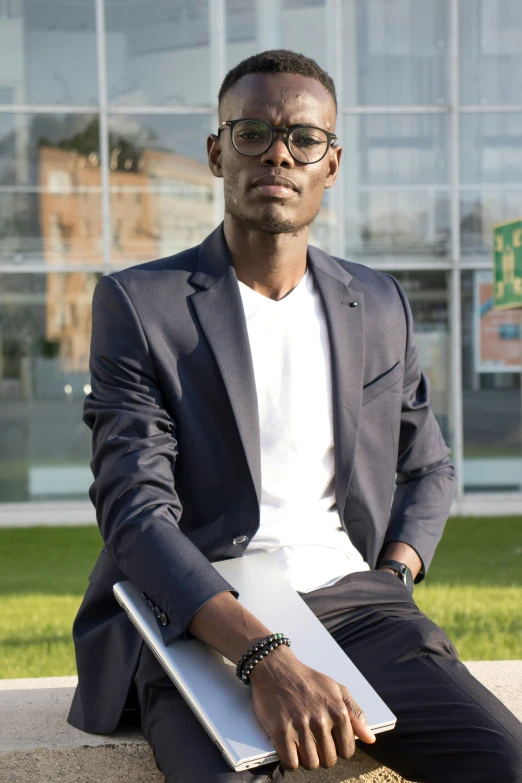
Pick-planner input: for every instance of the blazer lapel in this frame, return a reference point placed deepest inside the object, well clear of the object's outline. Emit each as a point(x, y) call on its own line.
point(346, 331)
point(220, 312)
point(221, 316)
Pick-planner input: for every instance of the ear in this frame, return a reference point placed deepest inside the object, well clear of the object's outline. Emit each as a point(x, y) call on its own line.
point(214, 155)
point(333, 166)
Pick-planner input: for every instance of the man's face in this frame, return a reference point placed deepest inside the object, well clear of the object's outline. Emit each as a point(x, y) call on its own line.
point(282, 99)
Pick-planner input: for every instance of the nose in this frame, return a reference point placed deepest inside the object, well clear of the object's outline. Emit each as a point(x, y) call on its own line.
point(277, 154)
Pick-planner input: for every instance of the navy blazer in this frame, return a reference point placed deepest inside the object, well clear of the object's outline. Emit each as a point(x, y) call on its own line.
point(176, 447)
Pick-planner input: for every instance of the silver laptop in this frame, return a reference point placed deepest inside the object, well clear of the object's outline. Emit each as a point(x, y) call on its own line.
point(208, 682)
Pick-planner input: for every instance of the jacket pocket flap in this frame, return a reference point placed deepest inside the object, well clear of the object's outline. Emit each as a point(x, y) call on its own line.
point(382, 382)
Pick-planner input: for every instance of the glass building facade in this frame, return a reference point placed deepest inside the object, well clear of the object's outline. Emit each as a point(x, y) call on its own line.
point(105, 106)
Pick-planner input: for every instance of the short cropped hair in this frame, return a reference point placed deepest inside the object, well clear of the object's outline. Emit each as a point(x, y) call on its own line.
point(278, 61)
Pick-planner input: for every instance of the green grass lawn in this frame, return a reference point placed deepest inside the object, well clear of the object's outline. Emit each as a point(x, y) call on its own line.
point(473, 591)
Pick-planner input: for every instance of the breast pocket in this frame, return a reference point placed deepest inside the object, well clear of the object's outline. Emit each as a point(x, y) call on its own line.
point(382, 382)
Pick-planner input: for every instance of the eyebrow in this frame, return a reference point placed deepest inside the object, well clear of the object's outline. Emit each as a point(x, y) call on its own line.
point(303, 125)
point(290, 127)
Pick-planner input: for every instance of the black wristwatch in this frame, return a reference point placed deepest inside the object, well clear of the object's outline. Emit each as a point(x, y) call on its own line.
point(402, 571)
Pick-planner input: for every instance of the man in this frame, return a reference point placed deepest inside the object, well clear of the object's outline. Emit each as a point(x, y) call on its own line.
point(255, 394)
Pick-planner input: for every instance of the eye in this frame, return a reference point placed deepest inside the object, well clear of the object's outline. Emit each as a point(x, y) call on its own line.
point(304, 137)
point(250, 135)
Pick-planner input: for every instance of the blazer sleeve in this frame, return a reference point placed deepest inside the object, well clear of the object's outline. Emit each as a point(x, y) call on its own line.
point(134, 453)
point(425, 482)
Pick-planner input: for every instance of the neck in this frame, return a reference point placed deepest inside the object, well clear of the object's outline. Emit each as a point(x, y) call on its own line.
point(271, 264)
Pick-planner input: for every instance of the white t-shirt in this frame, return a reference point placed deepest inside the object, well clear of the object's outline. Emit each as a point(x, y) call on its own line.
point(299, 526)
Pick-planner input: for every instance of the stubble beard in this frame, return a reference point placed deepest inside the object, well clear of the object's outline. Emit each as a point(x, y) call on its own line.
point(269, 222)
point(265, 224)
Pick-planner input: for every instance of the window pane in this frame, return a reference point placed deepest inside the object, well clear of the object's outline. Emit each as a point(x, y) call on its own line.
point(48, 52)
point(45, 326)
point(395, 52)
point(50, 190)
point(491, 351)
point(491, 176)
point(397, 196)
point(257, 25)
point(162, 191)
point(164, 198)
point(427, 294)
point(324, 229)
point(158, 52)
point(490, 51)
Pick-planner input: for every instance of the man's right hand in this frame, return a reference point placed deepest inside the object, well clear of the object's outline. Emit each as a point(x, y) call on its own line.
point(310, 718)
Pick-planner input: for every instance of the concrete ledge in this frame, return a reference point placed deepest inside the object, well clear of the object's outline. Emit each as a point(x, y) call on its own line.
point(72, 513)
point(37, 745)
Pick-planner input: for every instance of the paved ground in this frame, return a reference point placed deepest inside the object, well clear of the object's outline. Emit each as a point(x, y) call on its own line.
point(38, 746)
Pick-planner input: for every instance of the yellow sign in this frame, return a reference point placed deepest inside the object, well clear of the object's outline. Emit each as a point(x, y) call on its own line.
point(507, 244)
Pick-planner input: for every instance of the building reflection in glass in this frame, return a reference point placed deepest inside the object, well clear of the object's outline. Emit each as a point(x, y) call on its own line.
point(45, 325)
point(50, 190)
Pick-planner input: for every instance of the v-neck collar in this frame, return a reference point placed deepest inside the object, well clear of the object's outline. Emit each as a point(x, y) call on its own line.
point(255, 296)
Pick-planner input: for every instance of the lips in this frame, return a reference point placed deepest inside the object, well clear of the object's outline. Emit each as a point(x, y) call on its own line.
point(275, 186)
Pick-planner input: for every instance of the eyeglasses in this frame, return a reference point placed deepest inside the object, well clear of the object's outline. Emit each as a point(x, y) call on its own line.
point(305, 143)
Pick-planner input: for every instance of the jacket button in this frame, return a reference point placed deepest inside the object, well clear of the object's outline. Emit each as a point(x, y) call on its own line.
point(164, 620)
point(240, 540)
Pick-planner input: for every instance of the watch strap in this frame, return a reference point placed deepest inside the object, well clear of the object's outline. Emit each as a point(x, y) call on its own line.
point(394, 564)
point(403, 572)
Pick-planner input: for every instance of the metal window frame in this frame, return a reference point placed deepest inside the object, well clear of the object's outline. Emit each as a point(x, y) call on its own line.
point(119, 108)
point(454, 265)
point(217, 41)
point(455, 292)
point(70, 513)
point(101, 55)
point(333, 11)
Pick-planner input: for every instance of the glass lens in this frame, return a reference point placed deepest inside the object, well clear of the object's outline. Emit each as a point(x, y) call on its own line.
point(146, 40)
point(50, 194)
point(490, 52)
point(252, 137)
point(429, 296)
point(491, 389)
point(161, 190)
point(491, 172)
point(45, 322)
point(396, 192)
point(308, 144)
point(48, 52)
point(395, 52)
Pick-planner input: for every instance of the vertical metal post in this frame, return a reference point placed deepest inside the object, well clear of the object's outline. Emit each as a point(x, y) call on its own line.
point(269, 22)
point(520, 389)
point(217, 40)
point(101, 51)
point(455, 286)
point(334, 35)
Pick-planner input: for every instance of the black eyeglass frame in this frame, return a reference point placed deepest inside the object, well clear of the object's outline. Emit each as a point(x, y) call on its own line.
point(274, 130)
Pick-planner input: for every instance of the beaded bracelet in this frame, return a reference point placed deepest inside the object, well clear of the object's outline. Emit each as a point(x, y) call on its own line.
point(256, 654)
point(255, 649)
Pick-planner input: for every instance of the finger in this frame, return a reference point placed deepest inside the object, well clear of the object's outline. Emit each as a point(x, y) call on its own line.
point(307, 750)
point(357, 719)
point(324, 742)
point(342, 734)
point(286, 749)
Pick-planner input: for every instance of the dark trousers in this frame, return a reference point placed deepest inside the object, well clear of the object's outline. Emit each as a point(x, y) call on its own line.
point(450, 729)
